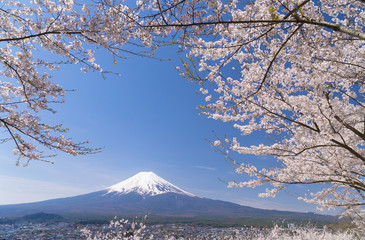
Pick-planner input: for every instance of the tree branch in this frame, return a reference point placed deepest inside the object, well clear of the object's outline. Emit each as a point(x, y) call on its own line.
point(42, 34)
point(352, 151)
point(351, 128)
point(274, 58)
point(336, 27)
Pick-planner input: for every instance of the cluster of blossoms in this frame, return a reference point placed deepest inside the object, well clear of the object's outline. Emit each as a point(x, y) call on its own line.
point(117, 230)
point(301, 233)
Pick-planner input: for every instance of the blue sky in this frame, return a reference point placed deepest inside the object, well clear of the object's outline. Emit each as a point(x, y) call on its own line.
point(145, 120)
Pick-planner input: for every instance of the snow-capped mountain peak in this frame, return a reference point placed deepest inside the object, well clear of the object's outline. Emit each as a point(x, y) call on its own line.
point(146, 183)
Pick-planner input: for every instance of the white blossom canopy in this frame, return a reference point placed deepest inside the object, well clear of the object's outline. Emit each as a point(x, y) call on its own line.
point(294, 69)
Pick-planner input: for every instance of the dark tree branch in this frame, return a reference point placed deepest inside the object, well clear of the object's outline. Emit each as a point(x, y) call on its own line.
point(348, 126)
point(336, 27)
point(352, 151)
point(274, 58)
point(43, 34)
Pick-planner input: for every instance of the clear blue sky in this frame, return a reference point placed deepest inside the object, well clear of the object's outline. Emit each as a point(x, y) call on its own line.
point(146, 121)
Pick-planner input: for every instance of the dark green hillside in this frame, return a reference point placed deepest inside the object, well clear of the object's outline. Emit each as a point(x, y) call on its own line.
point(41, 216)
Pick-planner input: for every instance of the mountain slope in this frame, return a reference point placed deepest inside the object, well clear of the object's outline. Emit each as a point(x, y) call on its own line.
point(146, 193)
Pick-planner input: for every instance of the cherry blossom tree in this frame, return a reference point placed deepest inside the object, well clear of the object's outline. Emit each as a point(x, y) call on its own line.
point(293, 69)
point(38, 37)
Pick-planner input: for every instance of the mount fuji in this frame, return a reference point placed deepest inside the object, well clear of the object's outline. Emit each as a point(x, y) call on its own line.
point(147, 193)
point(146, 184)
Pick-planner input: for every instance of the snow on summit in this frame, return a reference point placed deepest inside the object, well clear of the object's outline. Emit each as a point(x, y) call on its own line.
point(146, 183)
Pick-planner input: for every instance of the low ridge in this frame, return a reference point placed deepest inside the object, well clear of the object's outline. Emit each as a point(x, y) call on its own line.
point(146, 184)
